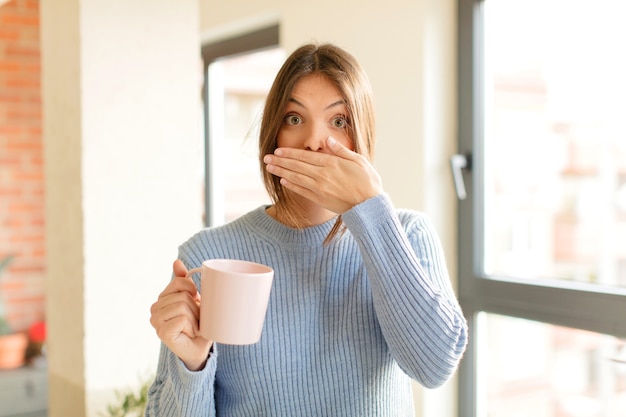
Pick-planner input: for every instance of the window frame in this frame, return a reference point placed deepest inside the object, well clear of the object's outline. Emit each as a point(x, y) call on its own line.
point(585, 306)
point(254, 41)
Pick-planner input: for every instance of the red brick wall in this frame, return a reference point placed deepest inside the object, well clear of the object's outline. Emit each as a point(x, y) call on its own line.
point(21, 164)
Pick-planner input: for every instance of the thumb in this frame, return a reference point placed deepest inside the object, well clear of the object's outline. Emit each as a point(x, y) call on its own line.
point(180, 270)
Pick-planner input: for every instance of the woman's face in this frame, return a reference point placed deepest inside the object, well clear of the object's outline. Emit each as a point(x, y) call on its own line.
point(315, 111)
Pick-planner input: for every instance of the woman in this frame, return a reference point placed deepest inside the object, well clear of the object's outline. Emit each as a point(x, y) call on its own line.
point(361, 301)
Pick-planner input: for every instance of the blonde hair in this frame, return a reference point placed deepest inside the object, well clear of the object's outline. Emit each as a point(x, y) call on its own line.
point(343, 70)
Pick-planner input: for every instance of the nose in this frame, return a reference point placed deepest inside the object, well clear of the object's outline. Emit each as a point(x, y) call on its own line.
point(316, 137)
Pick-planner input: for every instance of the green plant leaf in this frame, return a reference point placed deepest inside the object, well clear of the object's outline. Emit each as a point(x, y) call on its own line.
point(130, 403)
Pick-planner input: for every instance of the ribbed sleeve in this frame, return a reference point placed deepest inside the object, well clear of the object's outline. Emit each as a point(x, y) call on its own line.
point(177, 391)
point(414, 301)
point(348, 324)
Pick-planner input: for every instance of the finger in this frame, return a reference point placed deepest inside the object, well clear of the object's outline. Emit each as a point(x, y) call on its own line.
point(176, 314)
point(300, 166)
point(317, 159)
point(173, 328)
point(180, 270)
point(298, 189)
point(180, 284)
point(339, 149)
point(291, 171)
point(175, 304)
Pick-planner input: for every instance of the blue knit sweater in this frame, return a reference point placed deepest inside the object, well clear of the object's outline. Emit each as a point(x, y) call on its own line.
point(348, 324)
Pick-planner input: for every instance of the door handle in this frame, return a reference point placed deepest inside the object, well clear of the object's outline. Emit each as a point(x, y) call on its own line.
point(459, 162)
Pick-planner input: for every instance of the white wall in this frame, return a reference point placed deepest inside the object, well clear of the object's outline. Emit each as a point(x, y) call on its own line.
point(408, 48)
point(122, 117)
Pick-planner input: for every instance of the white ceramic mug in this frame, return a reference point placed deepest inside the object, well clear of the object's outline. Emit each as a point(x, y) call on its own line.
point(234, 301)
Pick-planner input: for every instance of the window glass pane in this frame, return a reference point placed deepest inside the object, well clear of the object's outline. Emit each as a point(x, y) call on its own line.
point(555, 161)
point(237, 90)
point(527, 368)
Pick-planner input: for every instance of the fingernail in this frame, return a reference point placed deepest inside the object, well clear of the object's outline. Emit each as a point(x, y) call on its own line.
point(331, 141)
point(267, 159)
point(278, 152)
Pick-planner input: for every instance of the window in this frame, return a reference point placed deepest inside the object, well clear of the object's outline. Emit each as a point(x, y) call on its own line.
point(542, 231)
point(238, 75)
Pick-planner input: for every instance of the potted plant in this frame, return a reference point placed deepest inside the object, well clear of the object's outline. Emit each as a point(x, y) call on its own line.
point(12, 344)
point(131, 403)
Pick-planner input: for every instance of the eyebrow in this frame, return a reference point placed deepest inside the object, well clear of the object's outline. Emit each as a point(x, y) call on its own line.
point(336, 103)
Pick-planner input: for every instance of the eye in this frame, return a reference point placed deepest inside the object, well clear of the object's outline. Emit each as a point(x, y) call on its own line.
point(340, 122)
point(293, 119)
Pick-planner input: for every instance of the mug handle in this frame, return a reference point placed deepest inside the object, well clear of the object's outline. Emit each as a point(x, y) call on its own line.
point(193, 271)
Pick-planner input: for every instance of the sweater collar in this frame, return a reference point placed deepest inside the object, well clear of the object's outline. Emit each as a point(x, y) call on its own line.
point(271, 229)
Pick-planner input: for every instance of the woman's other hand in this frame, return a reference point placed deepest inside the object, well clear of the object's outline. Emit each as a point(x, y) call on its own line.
point(175, 317)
